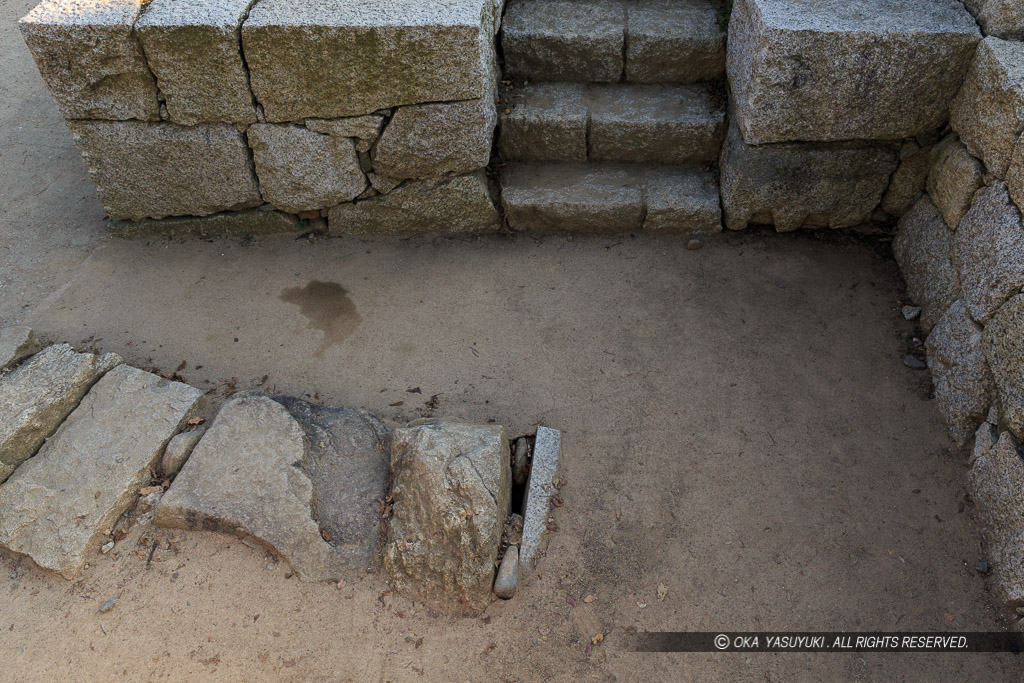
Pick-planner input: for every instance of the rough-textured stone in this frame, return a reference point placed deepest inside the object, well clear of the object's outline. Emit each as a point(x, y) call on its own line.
point(507, 581)
point(16, 344)
point(846, 69)
point(1004, 349)
point(996, 483)
point(455, 205)
point(433, 140)
point(37, 396)
point(193, 50)
point(451, 497)
point(564, 40)
point(908, 181)
point(988, 249)
point(954, 178)
point(682, 201)
point(310, 59)
point(178, 449)
point(365, 129)
point(964, 387)
point(302, 483)
point(1015, 174)
point(546, 122)
point(1000, 18)
point(155, 170)
point(836, 185)
point(56, 507)
point(539, 491)
point(924, 251)
point(674, 41)
point(300, 170)
point(989, 110)
point(248, 223)
point(661, 124)
point(90, 60)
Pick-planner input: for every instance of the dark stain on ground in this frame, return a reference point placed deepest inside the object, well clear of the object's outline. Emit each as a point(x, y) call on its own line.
point(328, 308)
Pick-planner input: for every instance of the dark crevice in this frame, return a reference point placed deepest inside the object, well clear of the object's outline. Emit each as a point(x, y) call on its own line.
point(241, 54)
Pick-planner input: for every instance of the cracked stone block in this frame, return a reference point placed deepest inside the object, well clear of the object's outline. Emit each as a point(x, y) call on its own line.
point(309, 59)
point(300, 170)
point(365, 129)
point(988, 249)
point(144, 170)
point(996, 483)
point(90, 471)
point(989, 110)
point(194, 51)
point(546, 122)
point(434, 140)
point(564, 40)
point(451, 497)
point(791, 185)
point(682, 201)
point(674, 41)
point(37, 396)
point(924, 251)
point(1000, 18)
point(303, 479)
point(954, 178)
point(248, 223)
point(90, 60)
point(964, 386)
point(846, 69)
point(16, 344)
point(454, 205)
point(1004, 349)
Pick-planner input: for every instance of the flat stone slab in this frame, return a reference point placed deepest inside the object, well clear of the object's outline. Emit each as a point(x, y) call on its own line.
point(539, 490)
point(247, 223)
point(37, 396)
point(305, 480)
point(16, 344)
point(674, 41)
point(546, 122)
point(57, 506)
point(924, 251)
point(835, 70)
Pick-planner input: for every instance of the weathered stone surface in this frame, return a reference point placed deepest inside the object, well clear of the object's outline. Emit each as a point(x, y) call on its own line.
point(954, 178)
point(846, 69)
point(37, 396)
point(663, 124)
point(1004, 349)
point(155, 170)
point(546, 122)
point(300, 480)
point(178, 449)
point(365, 129)
point(92, 468)
point(996, 483)
point(989, 110)
point(300, 170)
point(539, 491)
point(454, 205)
point(1000, 18)
point(964, 387)
point(16, 344)
point(310, 59)
point(790, 185)
point(564, 40)
point(988, 249)
point(433, 140)
point(682, 201)
point(908, 181)
point(924, 251)
point(90, 60)
point(248, 223)
point(507, 581)
point(193, 50)
point(674, 41)
point(451, 497)
point(1015, 175)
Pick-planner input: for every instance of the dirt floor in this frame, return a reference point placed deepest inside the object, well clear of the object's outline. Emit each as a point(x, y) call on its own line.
point(738, 426)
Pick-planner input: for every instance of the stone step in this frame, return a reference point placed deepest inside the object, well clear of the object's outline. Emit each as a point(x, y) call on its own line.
point(659, 124)
point(606, 41)
point(609, 198)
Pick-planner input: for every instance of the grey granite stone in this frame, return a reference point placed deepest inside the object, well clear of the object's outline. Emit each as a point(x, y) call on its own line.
point(545, 122)
point(924, 252)
point(908, 181)
point(538, 492)
point(90, 59)
point(56, 507)
point(682, 201)
point(846, 69)
point(156, 170)
point(1004, 349)
point(247, 223)
point(193, 50)
point(1000, 18)
point(16, 344)
point(178, 449)
point(954, 178)
point(988, 249)
point(365, 129)
point(674, 41)
point(507, 581)
point(1015, 174)
point(37, 396)
point(300, 170)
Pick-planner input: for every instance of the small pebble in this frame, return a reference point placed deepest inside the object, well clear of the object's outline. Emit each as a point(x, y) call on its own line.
point(694, 245)
point(911, 312)
point(14, 575)
point(508, 574)
point(107, 547)
point(108, 605)
point(914, 362)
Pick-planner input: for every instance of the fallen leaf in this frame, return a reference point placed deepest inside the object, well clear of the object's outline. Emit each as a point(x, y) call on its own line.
point(196, 420)
point(419, 641)
point(597, 639)
point(949, 617)
point(590, 598)
point(146, 490)
point(414, 390)
point(569, 601)
point(641, 605)
point(182, 366)
point(395, 404)
point(662, 592)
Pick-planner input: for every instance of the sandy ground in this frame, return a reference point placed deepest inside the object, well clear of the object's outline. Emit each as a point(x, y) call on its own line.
point(738, 427)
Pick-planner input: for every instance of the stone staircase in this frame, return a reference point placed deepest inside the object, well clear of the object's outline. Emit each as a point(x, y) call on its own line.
point(616, 116)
